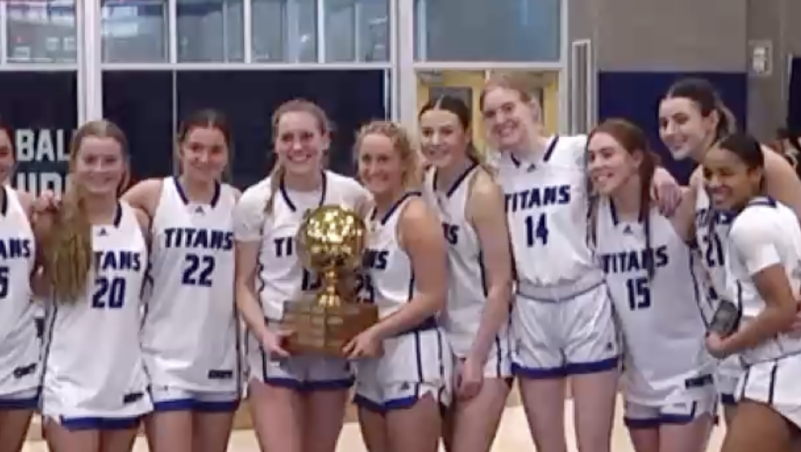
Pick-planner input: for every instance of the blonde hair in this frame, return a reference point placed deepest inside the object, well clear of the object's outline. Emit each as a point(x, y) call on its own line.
point(402, 143)
point(292, 106)
point(68, 252)
point(517, 82)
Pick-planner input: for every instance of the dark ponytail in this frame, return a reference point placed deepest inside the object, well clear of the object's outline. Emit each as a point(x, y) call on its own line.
point(706, 97)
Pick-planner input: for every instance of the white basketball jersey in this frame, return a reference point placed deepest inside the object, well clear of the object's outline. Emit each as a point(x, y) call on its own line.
point(19, 345)
point(388, 276)
point(281, 275)
point(711, 233)
point(663, 328)
point(547, 208)
point(765, 233)
point(467, 289)
point(93, 360)
point(189, 333)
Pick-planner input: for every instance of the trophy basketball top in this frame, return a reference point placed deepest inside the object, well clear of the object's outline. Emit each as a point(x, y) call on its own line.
point(331, 238)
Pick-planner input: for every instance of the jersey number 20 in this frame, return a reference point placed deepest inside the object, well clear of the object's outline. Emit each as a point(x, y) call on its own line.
point(536, 229)
point(197, 270)
point(109, 293)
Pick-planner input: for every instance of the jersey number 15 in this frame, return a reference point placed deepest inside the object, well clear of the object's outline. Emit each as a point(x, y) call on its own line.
point(639, 291)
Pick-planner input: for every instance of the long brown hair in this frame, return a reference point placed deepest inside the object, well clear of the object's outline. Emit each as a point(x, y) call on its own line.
point(293, 106)
point(459, 108)
point(68, 252)
point(634, 141)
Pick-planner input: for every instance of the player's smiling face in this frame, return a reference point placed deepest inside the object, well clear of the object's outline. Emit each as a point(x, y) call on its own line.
point(7, 159)
point(442, 137)
point(380, 165)
point(506, 118)
point(729, 181)
point(610, 164)
point(204, 154)
point(100, 165)
point(682, 127)
point(300, 143)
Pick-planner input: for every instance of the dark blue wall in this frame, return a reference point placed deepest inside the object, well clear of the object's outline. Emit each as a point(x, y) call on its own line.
point(145, 103)
point(42, 108)
point(635, 96)
point(794, 98)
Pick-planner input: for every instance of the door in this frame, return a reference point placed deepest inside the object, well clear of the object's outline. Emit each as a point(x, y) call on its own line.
point(467, 85)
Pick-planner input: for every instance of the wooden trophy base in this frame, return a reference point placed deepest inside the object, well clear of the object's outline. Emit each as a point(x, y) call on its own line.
point(324, 330)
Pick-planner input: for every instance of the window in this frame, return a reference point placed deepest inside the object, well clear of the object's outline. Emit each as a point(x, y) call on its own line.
point(488, 30)
point(356, 30)
point(134, 31)
point(41, 32)
point(210, 30)
point(284, 31)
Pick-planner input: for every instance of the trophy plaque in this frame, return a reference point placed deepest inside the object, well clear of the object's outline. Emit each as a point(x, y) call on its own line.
point(330, 242)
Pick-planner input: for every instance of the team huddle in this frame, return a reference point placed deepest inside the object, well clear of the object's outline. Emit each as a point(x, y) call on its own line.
point(549, 259)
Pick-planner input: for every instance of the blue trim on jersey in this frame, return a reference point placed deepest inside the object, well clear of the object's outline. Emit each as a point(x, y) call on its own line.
point(616, 219)
point(310, 386)
point(458, 181)
point(118, 216)
point(99, 423)
point(697, 289)
point(566, 370)
point(394, 207)
point(195, 405)
point(662, 419)
point(728, 399)
point(26, 403)
point(4, 202)
point(215, 197)
point(545, 157)
point(288, 201)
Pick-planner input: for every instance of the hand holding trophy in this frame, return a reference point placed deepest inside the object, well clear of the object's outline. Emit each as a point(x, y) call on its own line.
point(330, 242)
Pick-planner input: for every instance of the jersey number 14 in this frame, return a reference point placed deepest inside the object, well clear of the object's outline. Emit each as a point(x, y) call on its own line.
point(536, 229)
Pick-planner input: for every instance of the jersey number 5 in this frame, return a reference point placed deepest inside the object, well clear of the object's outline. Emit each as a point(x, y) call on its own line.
point(109, 293)
point(3, 282)
point(197, 270)
point(639, 293)
point(536, 229)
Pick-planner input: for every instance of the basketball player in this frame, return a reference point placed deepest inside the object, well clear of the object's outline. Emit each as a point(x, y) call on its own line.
point(460, 188)
point(19, 345)
point(189, 335)
point(562, 321)
point(403, 363)
point(764, 249)
point(668, 376)
point(692, 118)
point(298, 402)
point(95, 386)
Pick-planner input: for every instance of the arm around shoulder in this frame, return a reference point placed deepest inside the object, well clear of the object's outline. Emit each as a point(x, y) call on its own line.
point(781, 182)
point(144, 195)
point(489, 220)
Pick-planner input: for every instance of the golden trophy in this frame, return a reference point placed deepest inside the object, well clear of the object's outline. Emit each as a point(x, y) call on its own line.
point(330, 242)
